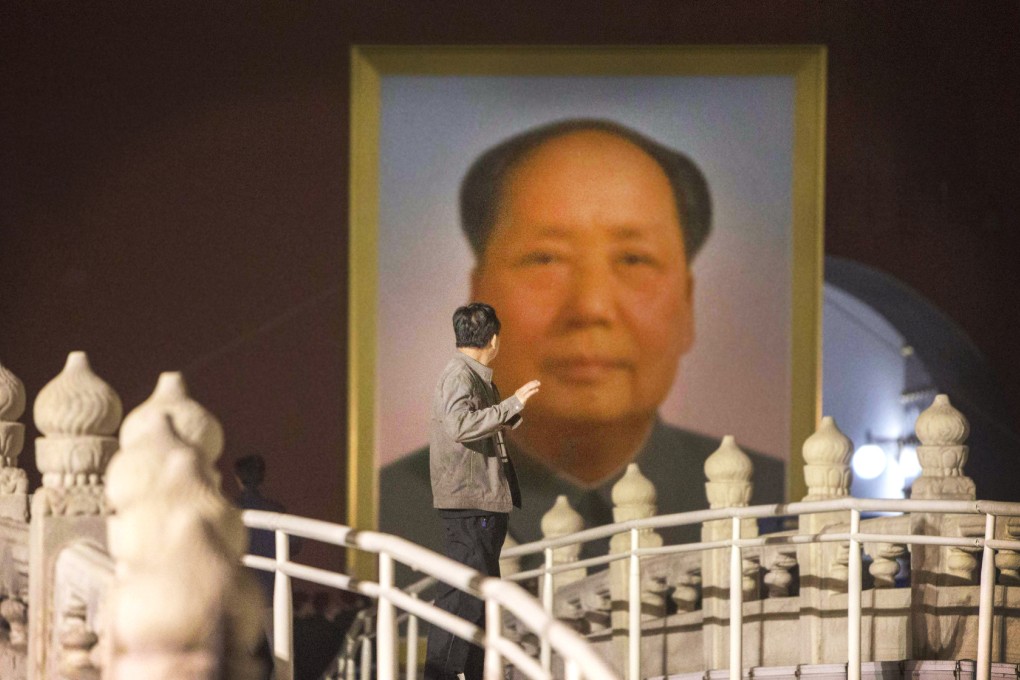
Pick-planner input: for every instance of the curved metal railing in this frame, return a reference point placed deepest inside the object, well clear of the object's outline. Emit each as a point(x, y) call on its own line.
point(854, 507)
point(499, 595)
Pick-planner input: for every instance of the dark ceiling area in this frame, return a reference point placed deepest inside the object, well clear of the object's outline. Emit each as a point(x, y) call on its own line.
point(173, 183)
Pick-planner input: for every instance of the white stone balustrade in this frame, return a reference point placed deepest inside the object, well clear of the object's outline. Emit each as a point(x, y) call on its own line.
point(801, 616)
point(132, 569)
point(176, 603)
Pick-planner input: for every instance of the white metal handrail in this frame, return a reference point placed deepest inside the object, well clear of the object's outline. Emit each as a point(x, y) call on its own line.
point(855, 506)
point(499, 595)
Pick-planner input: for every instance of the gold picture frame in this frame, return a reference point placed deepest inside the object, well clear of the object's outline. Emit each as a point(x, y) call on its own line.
point(370, 65)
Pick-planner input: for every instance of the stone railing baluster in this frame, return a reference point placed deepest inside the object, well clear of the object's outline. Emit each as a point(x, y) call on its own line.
point(77, 414)
point(13, 480)
point(778, 579)
point(942, 431)
point(729, 473)
point(634, 497)
point(14, 610)
point(823, 567)
point(885, 562)
point(177, 544)
point(13, 528)
point(687, 590)
point(76, 642)
point(1008, 561)
point(560, 520)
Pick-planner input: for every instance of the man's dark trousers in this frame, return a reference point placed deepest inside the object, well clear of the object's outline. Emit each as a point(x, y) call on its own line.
point(476, 541)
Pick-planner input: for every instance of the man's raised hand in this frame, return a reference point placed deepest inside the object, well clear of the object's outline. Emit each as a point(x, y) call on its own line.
point(527, 390)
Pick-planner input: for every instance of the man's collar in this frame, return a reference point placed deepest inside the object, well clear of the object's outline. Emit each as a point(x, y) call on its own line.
point(478, 367)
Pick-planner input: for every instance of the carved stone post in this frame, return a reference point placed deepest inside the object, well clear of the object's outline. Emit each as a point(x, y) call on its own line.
point(191, 421)
point(560, 521)
point(13, 527)
point(177, 544)
point(13, 481)
point(729, 471)
point(823, 566)
point(77, 414)
point(634, 497)
point(937, 573)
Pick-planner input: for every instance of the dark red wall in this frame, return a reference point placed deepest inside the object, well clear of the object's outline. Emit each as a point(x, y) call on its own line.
point(173, 182)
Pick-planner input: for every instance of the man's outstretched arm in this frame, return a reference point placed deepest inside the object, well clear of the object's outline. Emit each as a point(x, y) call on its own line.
point(465, 422)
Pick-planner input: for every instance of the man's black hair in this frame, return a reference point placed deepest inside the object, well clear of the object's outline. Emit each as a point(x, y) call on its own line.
point(475, 324)
point(251, 470)
point(481, 190)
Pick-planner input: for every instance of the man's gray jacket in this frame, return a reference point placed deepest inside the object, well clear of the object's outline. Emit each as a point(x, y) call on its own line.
point(464, 460)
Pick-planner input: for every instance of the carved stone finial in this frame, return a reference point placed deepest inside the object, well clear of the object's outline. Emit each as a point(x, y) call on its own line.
point(13, 480)
point(942, 454)
point(77, 402)
point(729, 472)
point(191, 421)
point(135, 470)
point(12, 395)
point(77, 412)
point(941, 424)
point(634, 496)
point(827, 455)
point(11, 433)
point(561, 519)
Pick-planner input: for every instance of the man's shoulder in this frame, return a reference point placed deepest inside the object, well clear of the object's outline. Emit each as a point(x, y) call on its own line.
point(456, 374)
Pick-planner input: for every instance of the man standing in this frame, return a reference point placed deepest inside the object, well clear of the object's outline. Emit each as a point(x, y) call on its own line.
point(474, 486)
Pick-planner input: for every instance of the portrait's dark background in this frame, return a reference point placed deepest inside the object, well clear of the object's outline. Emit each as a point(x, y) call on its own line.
point(173, 183)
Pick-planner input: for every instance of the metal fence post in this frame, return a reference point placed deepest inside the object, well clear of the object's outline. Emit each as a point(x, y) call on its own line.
point(634, 610)
point(986, 603)
point(412, 645)
point(736, 605)
point(547, 603)
point(283, 613)
point(493, 631)
point(853, 601)
point(386, 657)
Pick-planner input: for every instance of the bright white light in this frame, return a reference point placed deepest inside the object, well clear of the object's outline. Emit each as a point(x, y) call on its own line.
point(909, 464)
point(868, 461)
point(892, 480)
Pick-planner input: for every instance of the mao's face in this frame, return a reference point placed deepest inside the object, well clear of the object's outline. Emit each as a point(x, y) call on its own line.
point(586, 268)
